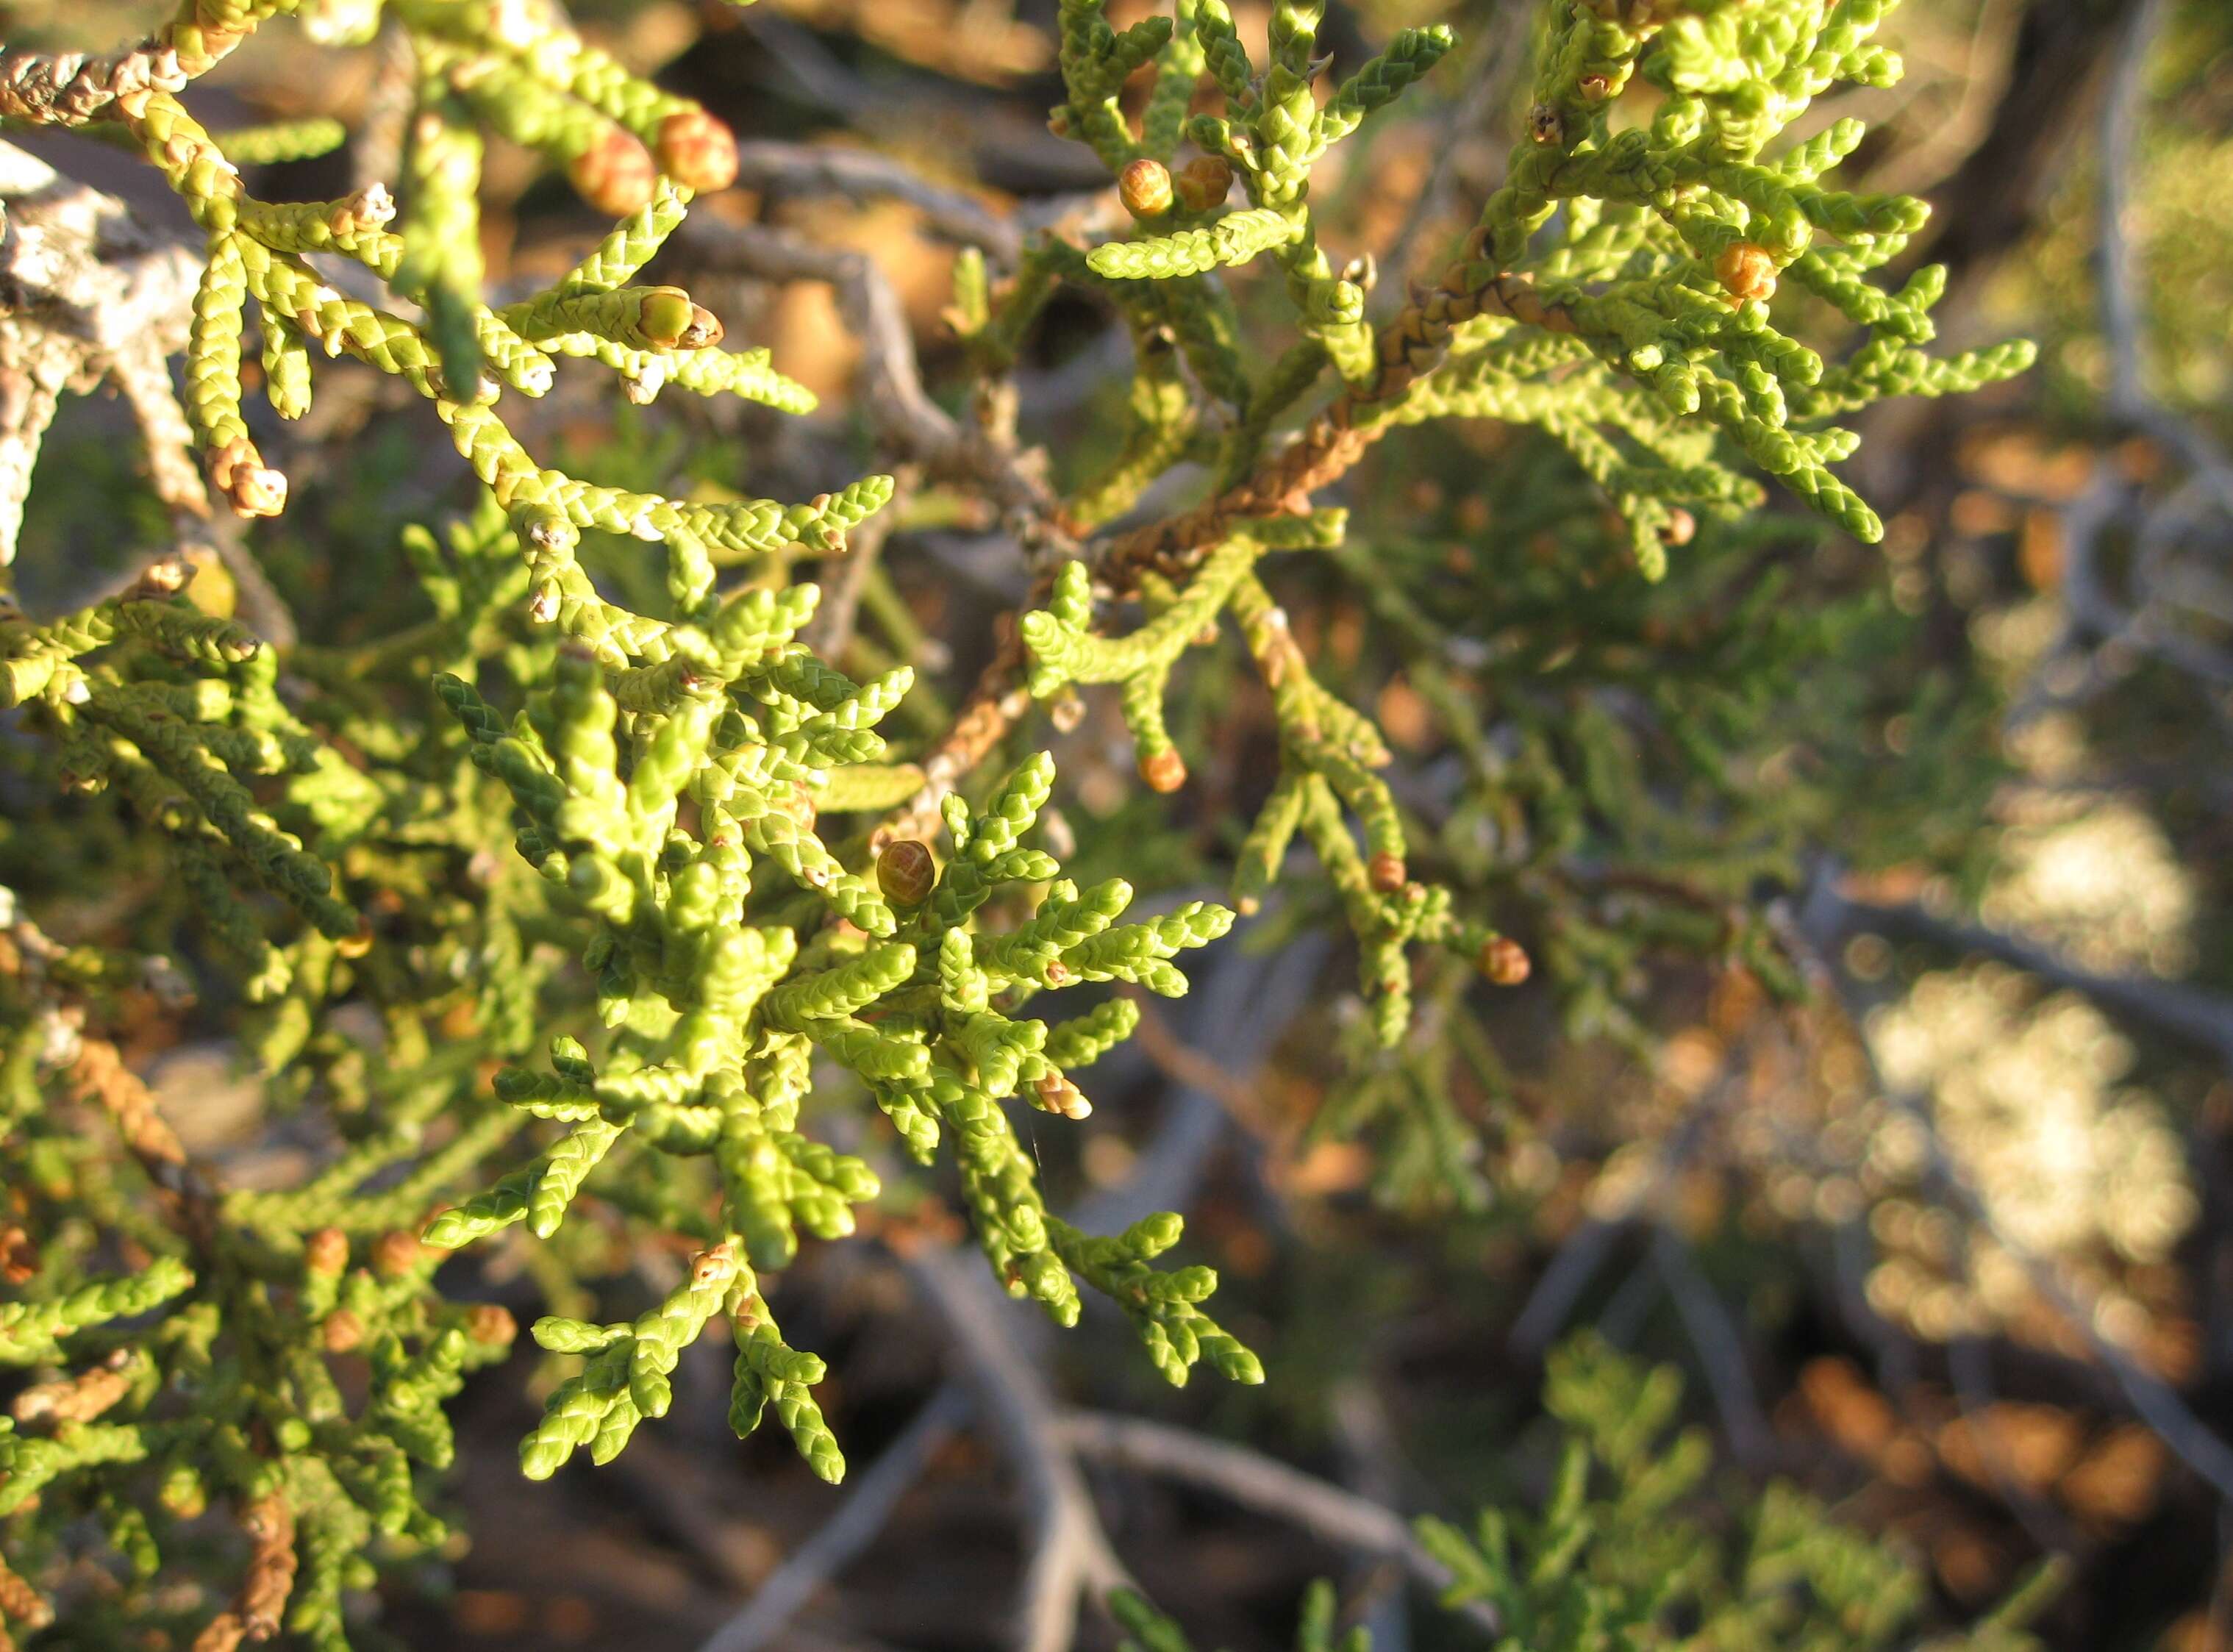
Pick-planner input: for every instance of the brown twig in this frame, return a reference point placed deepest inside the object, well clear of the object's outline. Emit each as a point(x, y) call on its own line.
point(1719, 1344)
point(830, 631)
point(1815, 939)
point(20, 1603)
point(1189, 1066)
point(891, 389)
point(376, 156)
point(2182, 1013)
point(1070, 1552)
point(861, 175)
point(1411, 346)
point(1264, 1483)
point(1371, 1458)
point(868, 1504)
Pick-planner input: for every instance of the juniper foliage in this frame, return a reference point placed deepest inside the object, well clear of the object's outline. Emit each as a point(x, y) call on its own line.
point(1630, 1551)
point(575, 854)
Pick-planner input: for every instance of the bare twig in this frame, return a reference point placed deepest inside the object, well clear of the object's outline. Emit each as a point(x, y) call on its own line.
point(2102, 632)
point(867, 1506)
point(1245, 1008)
point(1371, 1455)
point(1185, 1065)
point(1505, 53)
point(860, 175)
point(1969, 1361)
point(2120, 303)
point(376, 156)
point(1255, 1481)
point(1584, 1249)
point(1983, 77)
point(2123, 313)
point(2194, 1018)
point(1816, 940)
point(1719, 1343)
point(1070, 1552)
point(890, 390)
point(83, 287)
point(811, 68)
point(830, 631)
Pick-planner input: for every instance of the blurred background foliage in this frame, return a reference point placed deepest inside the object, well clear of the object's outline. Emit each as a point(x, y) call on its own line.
point(1874, 1070)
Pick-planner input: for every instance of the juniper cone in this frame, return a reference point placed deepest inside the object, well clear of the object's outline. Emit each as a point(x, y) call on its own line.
point(1144, 186)
point(1505, 961)
point(1747, 271)
point(616, 174)
point(906, 871)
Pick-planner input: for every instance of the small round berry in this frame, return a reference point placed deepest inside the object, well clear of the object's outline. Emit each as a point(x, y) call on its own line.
point(341, 1331)
point(395, 1253)
point(1387, 873)
point(490, 1324)
point(326, 1251)
point(1505, 961)
point(615, 174)
point(1144, 186)
point(1205, 182)
point(697, 151)
point(906, 871)
point(1163, 770)
point(1747, 271)
point(1681, 527)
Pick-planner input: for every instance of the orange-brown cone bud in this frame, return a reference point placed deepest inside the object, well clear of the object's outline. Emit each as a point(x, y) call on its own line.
point(223, 1633)
point(1747, 271)
point(697, 151)
point(1387, 873)
point(395, 1253)
point(1144, 186)
point(1165, 771)
point(19, 1258)
point(1505, 961)
point(341, 1331)
point(1204, 183)
point(615, 174)
point(327, 1250)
